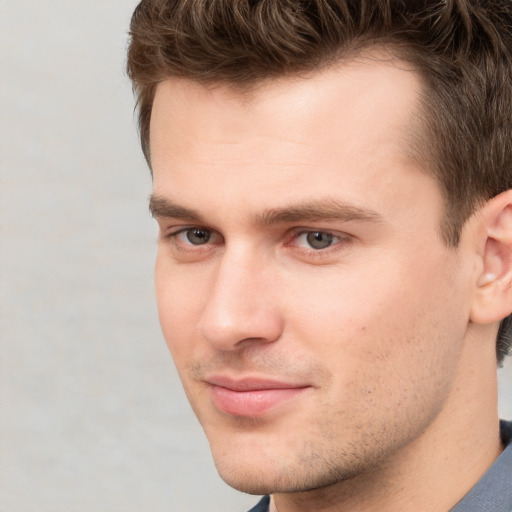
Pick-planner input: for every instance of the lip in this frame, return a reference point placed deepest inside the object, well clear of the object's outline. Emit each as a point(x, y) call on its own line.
point(251, 397)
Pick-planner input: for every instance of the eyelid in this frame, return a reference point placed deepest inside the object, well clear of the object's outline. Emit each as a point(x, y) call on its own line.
point(336, 239)
point(173, 233)
point(342, 239)
point(297, 232)
point(323, 256)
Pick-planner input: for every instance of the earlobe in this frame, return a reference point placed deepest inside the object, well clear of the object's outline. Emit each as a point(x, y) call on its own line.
point(493, 297)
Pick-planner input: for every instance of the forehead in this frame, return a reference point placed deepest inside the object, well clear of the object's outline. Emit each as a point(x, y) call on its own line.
point(348, 125)
point(360, 91)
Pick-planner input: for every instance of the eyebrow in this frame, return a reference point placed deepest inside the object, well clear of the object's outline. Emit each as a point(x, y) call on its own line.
point(306, 211)
point(318, 210)
point(161, 208)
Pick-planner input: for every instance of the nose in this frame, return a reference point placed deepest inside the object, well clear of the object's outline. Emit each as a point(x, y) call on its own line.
point(241, 309)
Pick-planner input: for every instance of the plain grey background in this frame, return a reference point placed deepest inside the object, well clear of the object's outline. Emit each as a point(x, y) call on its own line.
point(92, 416)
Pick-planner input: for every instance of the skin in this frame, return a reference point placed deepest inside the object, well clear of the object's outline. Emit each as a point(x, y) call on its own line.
point(376, 328)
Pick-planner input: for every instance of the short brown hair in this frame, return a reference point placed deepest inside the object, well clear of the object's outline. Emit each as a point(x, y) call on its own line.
point(462, 49)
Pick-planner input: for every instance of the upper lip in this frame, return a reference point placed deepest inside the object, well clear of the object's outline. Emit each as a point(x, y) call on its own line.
point(251, 383)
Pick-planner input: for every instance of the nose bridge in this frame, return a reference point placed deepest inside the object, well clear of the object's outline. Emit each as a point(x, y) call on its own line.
point(240, 306)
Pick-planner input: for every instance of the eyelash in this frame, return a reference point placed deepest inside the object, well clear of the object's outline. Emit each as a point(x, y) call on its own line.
point(319, 254)
point(173, 235)
point(343, 240)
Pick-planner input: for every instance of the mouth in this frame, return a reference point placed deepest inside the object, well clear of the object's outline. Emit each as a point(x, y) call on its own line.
point(251, 397)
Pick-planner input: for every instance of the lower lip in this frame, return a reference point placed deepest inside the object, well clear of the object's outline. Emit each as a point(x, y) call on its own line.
point(251, 403)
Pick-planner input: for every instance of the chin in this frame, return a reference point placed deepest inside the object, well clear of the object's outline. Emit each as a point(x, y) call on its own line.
point(253, 476)
point(247, 485)
point(252, 480)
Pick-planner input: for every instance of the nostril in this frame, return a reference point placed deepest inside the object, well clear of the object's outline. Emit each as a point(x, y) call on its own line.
point(235, 331)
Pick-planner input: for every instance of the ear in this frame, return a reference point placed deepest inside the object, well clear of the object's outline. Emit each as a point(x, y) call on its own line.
point(493, 299)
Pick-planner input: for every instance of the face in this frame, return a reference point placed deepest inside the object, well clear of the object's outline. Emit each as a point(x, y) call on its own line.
point(313, 311)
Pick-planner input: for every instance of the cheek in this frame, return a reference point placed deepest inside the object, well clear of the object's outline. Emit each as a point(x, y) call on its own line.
point(179, 300)
point(390, 327)
point(394, 292)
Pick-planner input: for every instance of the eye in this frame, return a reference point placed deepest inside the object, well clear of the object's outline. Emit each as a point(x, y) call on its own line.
point(195, 236)
point(317, 240)
point(188, 244)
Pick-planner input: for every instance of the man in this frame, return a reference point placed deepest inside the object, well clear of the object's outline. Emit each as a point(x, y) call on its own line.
point(332, 183)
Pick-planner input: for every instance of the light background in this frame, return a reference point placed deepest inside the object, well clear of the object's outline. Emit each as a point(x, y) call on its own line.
point(92, 416)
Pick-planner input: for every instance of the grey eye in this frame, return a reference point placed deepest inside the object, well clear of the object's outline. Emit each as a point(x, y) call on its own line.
point(198, 236)
point(319, 239)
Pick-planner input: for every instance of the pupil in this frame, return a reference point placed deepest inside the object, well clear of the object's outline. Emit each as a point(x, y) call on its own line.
point(198, 236)
point(319, 240)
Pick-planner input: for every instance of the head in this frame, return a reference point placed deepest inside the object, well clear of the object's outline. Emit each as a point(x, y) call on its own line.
point(460, 49)
point(262, 312)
